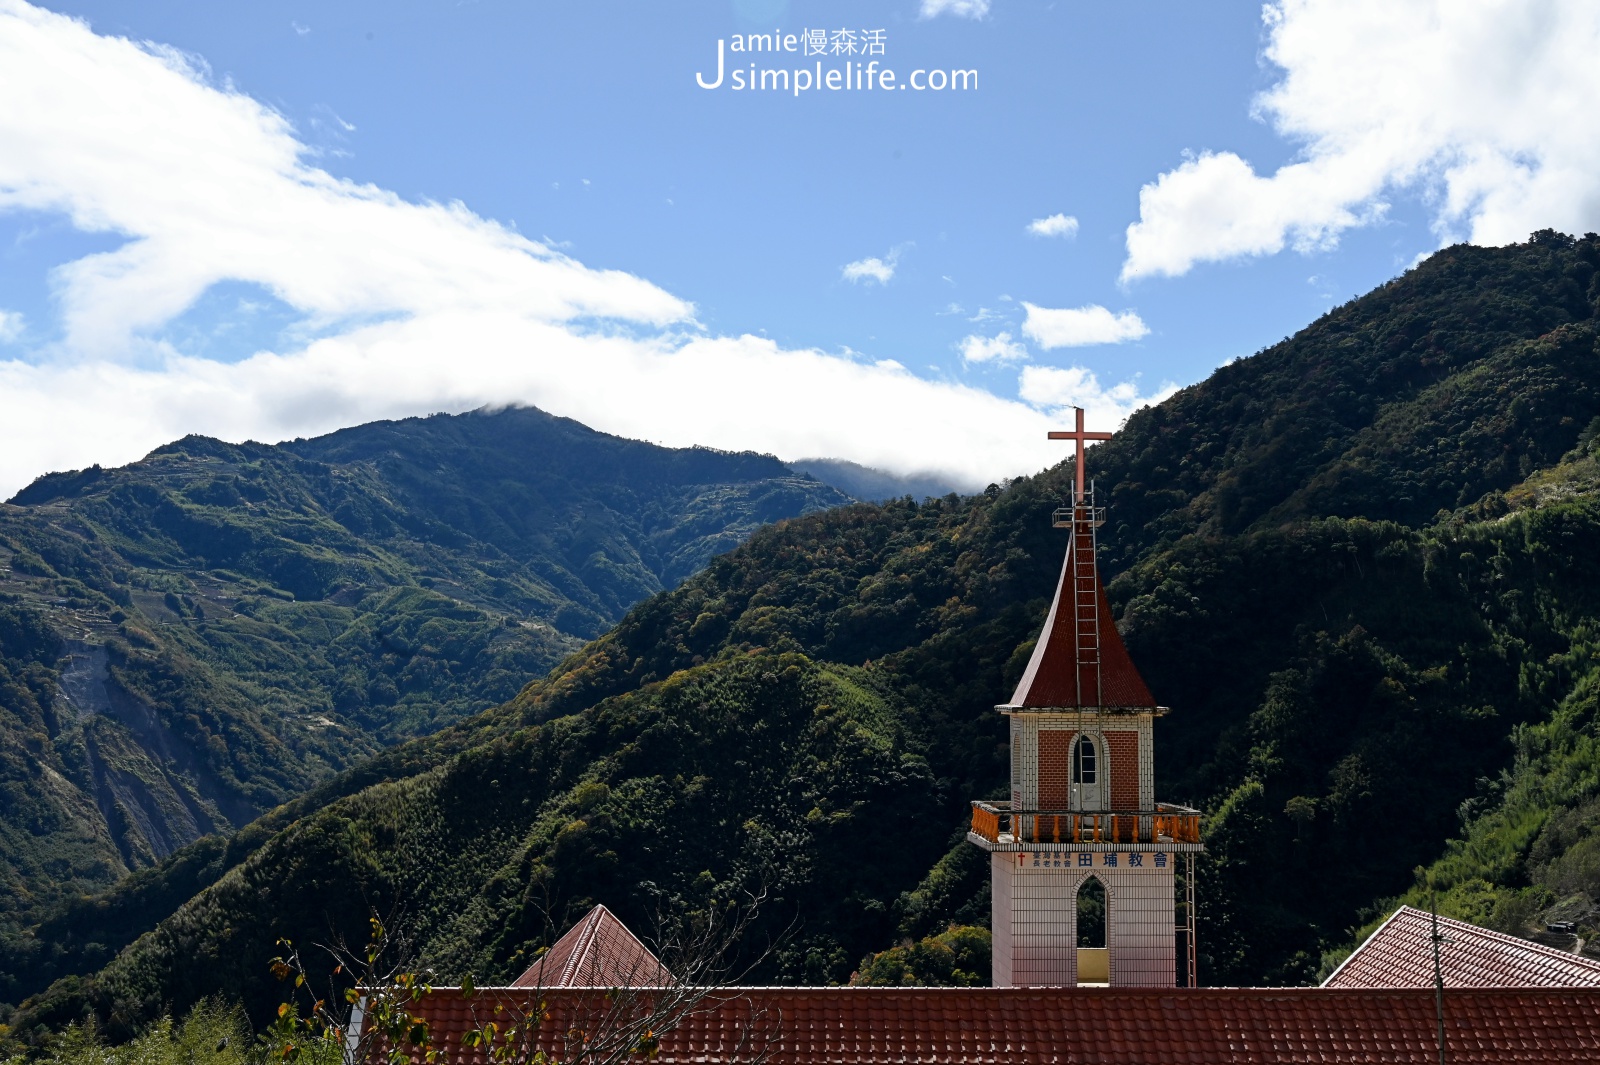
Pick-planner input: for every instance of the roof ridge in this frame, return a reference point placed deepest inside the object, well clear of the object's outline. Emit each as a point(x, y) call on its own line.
point(1370, 937)
point(1399, 952)
point(1506, 938)
point(588, 931)
point(598, 950)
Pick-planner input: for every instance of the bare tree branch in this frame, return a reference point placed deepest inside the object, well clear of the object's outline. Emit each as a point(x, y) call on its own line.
point(698, 955)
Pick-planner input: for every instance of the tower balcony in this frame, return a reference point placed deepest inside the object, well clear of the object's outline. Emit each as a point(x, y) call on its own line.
point(996, 826)
point(1065, 517)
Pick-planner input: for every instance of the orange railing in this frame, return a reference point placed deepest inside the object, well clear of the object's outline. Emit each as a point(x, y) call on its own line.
point(1164, 824)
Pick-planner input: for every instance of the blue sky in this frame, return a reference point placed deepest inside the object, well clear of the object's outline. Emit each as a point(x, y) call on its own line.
point(271, 220)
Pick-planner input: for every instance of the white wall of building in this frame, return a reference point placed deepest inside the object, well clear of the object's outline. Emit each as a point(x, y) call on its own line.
point(1035, 916)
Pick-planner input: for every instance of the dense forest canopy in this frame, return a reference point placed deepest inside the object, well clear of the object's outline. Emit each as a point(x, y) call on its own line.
point(196, 638)
point(1359, 566)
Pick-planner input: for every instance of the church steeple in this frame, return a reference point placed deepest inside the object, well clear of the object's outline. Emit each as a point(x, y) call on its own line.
point(1080, 659)
point(1083, 813)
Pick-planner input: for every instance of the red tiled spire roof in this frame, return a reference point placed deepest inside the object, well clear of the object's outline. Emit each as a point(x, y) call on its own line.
point(1080, 659)
point(1400, 954)
point(598, 951)
point(1023, 1026)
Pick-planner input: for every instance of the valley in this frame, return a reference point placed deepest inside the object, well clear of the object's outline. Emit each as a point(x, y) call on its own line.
point(1357, 565)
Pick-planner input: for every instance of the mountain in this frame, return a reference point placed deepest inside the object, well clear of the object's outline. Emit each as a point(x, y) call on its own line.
point(872, 485)
point(1525, 856)
point(198, 637)
point(1358, 565)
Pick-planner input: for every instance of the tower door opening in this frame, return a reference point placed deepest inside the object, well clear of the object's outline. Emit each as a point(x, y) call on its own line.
point(1088, 781)
point(1094, 959)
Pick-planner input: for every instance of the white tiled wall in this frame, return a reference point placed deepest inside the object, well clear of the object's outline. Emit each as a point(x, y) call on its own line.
point(1035, 923)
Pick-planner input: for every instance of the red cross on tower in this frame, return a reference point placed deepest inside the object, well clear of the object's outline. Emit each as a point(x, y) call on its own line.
point(1080, 436)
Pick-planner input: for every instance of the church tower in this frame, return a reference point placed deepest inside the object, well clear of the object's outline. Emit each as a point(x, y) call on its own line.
point(1083, 819)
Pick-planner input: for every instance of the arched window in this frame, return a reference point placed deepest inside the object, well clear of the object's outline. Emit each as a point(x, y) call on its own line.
point(1083, 761)
point(1092, 913)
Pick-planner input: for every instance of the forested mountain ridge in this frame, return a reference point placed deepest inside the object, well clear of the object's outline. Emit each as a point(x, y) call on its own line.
point(195, 638)
point(1346, 664)
point(1459, 378)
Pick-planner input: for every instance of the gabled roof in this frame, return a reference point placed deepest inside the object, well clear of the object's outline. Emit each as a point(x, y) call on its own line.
point(1022, 1026)
point(598, 951)
point(1400, 954)
point(1061, 674)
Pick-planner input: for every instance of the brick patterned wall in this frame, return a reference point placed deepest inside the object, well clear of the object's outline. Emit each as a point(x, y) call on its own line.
point(1035, 921)
point(1124, 769)
point(1055, 767)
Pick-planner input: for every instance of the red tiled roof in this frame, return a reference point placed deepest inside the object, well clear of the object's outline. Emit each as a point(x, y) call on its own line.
point(1019, 1026)
point(1400, 954)
point(598, 951)
point(1055, 675)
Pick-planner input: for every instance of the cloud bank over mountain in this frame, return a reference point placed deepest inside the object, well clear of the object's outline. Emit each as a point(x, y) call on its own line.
point(395, 307)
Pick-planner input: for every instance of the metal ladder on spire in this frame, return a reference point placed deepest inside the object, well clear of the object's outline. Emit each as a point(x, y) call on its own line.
point(1086, 518)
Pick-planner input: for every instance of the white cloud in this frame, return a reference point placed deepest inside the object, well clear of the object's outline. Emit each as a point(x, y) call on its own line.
point(1056, 225)
point(418, 307)
point(1486, 109)
point(959, 8)
point(1074, 327)
point(209, 184)
point(1056, 389)
point(873, 269)
point(999, 348)
point(10, 325)
point(729, 392)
